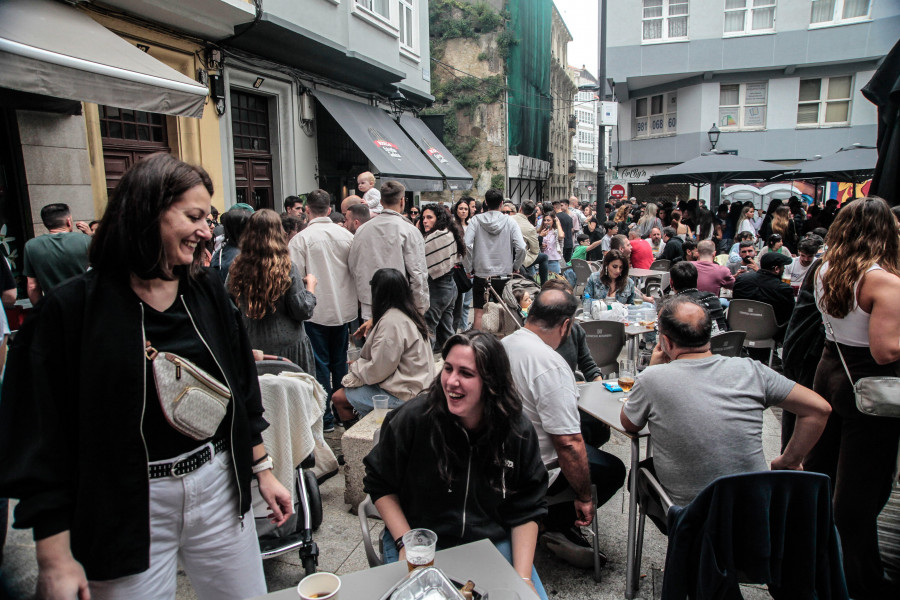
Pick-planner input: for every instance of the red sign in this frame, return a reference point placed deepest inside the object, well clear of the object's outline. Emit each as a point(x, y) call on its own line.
point(617, 191)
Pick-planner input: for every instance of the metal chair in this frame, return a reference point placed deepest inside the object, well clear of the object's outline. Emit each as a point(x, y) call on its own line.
point(728, 343)
point(568, 495)
point(650, 490)
point(660, 264)
point(757, 319)
point(605, 340)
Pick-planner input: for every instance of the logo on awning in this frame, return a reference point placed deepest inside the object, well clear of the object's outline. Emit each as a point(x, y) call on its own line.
point(434, 152)
point(390, 148)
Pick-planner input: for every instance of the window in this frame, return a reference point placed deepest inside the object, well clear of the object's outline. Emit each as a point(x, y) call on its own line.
point(656, 116)
point(584, 96)
point(665, 20)
point(586, 159)
point(132, 125)
point(408, 25)
point(742, 105)
point(586, 117)
point(827, 12)
point(749, 16)
point(381, 7)
point(586, 137)
point(824, 102)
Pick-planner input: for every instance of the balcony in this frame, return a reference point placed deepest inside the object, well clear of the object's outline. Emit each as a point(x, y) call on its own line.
point(573, 124)
point(573, 166)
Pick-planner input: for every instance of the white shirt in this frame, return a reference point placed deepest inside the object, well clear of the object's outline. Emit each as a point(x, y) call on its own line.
point(323, 249)
point(797, 271)
point(547, 387)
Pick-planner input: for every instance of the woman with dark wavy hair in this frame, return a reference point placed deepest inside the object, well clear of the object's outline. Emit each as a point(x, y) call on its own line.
point(858, 292)
point(444, 248)
point(274, 298)
point(463, 460)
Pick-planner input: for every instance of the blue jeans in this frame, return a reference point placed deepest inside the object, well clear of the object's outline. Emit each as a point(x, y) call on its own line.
point(439, 317)
point(329, 344)
point(461, 311)
point(553, 266)
point(360, 398)
point(391, 555)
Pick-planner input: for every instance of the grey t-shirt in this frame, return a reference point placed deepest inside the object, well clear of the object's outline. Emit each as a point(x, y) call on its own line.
point(706, 418)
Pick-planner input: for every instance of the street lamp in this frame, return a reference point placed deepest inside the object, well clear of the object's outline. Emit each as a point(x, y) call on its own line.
point(713, 135)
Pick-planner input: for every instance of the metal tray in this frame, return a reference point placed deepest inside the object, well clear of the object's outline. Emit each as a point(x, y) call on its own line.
point(428, 584)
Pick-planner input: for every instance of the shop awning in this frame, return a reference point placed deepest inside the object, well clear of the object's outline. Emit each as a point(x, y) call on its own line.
point(392, 154)
point(456, 175)
point(52, 49)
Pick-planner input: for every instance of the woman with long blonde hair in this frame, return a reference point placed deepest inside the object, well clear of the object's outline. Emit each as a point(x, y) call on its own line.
point(783, 225)
point(858, 292)
point(649, 220)
point(274, 299)
point(745, 222)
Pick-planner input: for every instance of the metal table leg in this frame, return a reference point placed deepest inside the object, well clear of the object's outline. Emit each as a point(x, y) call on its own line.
point(631, 577)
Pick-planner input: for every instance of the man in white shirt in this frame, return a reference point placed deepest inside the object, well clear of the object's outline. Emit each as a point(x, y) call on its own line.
point(806, 254)
point(323, 249)
point(550, 401)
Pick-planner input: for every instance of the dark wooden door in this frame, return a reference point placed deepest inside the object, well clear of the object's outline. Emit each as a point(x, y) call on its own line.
point(128, 136)
point(252, 149)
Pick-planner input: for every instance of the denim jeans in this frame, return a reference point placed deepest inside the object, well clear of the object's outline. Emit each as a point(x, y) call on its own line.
point(553, 266)
point(392, 555)
point(439, 317)
point(461, 311)
point(329, 344)
point(540, 263)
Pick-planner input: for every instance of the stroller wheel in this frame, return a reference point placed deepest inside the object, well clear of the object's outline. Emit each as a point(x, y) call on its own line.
point(309, 564)
point(315, 500)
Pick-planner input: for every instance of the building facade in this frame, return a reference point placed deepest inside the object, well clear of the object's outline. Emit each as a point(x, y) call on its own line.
point(584, 143)
point(562, 122)
point(781, 79)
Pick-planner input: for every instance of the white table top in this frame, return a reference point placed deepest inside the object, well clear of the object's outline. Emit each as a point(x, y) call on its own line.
point(644, 272)
point(606, 406)
point(479, 561)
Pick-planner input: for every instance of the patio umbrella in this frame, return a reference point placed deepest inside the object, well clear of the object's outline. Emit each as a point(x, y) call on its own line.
point(855, 163)
point(715, 168)
point(883, 90)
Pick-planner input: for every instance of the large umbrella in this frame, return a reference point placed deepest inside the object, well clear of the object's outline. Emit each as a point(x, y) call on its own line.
point(883, 90)
point(855, 163)
point(715, 168)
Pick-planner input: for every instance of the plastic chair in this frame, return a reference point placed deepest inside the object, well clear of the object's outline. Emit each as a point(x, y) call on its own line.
point(721, 259)
point(605, 340)
point(582, 270)
point(757, 319)
point(660, 264)
point(367, 509)
point(728, 343)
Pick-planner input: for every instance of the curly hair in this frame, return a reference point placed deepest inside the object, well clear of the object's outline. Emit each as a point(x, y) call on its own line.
point(622, 281)
point(261, 273)
point(863, 233)
point(443, 220)
point(500, 403)
point(781, 220)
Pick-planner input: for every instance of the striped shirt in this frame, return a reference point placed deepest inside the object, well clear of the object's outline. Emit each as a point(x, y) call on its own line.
point(440, 253)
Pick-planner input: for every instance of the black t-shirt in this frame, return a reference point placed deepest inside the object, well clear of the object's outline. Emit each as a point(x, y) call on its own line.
point(565, 222)
point(7, 281)
point(595, 236)
point(172, 331)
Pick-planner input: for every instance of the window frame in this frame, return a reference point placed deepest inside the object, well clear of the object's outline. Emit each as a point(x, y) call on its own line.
point(409, 50)
point(837, 18)
point(668, 114)
point(748, 9)
point(388, 24)
point(823, 102)
point(741, 107)
point(664, 18)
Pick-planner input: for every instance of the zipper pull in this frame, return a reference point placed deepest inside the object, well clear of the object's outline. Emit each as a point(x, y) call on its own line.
point(241, 520)
point(177, 369)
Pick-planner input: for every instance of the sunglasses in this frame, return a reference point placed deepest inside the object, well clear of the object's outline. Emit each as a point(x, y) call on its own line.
point(413, 212)
point(507, 212)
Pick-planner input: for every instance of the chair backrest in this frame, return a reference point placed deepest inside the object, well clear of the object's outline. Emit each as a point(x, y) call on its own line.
point(605, 340)
point(757, 319)
point(721, 259)
point(728, 343)
point(274, 367)
point(660, 264)
point(367, 509)
point(582, 270)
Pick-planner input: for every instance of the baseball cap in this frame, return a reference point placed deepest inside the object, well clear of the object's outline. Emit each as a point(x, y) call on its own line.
point(774, 259)
point(242, 206)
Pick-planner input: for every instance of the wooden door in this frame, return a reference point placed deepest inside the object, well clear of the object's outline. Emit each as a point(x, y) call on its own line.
point(128, 136)
point(252, 149)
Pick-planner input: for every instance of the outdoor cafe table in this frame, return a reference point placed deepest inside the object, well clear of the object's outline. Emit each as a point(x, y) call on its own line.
point(479, 561)
point(596, 401)
point(644, 272)
point(631, 342)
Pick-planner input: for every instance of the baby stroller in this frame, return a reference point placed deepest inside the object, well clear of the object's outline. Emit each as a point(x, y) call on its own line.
point(291, 415)
point(502, 314)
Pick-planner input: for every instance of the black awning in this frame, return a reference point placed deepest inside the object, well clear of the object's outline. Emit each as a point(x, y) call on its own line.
point(458, 178)
point(392, 154)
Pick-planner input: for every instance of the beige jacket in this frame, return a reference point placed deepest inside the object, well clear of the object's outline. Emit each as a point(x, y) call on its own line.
point(396, 358)
point(323, 249)
point(530, 235)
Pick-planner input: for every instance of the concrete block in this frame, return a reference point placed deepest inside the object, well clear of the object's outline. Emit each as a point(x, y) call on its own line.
point(356, 444)
point(48, 129)
point(47, 165)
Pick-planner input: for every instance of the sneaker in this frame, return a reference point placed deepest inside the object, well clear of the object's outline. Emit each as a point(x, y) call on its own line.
point(328, 428)
point(572, 546)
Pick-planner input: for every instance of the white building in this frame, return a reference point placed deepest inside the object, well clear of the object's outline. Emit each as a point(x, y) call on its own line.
point(584, 147)
point(780, 78)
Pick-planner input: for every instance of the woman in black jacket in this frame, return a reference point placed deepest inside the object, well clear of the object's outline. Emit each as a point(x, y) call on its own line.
point(462, 460)
point(85, 444)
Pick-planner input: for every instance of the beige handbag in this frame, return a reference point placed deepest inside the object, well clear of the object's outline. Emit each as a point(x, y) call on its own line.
point(497, 318)
point(193, 401)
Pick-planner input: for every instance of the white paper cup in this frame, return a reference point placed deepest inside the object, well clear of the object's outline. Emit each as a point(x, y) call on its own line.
point(319, 586)
point(380, 404)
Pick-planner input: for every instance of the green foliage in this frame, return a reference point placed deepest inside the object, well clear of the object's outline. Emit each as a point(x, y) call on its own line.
point(505, 41)
point(449, 19)
point(461, 148)
point(498, 182)
point(465, 93)
point(488, 164)
point(483, 56)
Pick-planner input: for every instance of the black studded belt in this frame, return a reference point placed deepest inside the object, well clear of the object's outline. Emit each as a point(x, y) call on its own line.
point(189, 463)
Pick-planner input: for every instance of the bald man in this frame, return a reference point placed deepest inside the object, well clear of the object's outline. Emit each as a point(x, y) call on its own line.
point(705, 410)
point(348, 202)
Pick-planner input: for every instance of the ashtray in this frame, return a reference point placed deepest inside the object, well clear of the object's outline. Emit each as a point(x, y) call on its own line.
point(429, 583)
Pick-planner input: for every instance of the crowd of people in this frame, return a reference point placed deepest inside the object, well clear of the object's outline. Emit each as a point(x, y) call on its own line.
point(367, 295)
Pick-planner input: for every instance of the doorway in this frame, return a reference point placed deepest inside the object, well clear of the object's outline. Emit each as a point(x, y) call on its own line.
point(252, 144)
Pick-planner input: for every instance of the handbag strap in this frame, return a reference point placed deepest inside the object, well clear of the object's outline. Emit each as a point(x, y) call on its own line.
point(838, 346)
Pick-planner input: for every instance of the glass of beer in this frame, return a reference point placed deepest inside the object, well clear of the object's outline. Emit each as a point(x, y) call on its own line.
point(420, 547)
point(626, 377)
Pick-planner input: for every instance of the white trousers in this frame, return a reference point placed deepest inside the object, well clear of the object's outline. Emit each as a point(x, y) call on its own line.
point(195, 519)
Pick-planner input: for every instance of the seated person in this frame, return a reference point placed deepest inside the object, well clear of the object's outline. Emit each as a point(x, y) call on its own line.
point(683, 280)
point(672, 251)
point(734, 255)
point(690, 250)
point(611, 282)
point(396, 359)
point(641, 253)
point(747, 262)
point(424, 473)
point(775, 243)
point(695, 441)
point(711, 277)
point(765, 285)
point(580, 251)
point(524, 299)
point(550, 401)
point(612, 229)
point(807, 250)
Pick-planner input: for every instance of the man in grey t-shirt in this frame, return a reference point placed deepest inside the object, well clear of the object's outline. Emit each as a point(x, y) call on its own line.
point(705, 411)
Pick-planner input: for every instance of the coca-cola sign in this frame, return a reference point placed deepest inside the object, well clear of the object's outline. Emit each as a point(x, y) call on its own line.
point(389, 147)
point(633, 173)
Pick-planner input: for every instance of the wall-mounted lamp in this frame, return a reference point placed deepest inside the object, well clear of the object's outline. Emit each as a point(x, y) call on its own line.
point(217, 92)
point(258, 82)
point(713, 135)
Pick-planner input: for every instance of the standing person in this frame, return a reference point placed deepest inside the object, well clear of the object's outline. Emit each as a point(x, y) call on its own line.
point(233, 223)
point(98, 469)
point(494, 250)
point(388, 241)
point(858, 292)
point(746, 222)
point(568, 235)
point(681, 230)
point(324, 248)
point(273, 296)
point(551, 234)
point(578, 218)
point(596, 234)
point(534, 258)
point(444, 248)
point(463, 303)
point(293, 205)
point(469, 435)
point(413, 215)
point(765, 227)
point(783, 225)
point(396, 359)
point(50, 259)
point(649, 221)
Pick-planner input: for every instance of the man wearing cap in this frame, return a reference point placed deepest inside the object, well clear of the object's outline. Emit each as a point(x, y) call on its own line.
point(765, 285)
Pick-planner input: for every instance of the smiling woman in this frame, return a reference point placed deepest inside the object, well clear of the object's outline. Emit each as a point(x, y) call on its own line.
point(470, 425)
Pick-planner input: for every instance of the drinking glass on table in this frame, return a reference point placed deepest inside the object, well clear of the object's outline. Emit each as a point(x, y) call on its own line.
point(420, 547)
point(626, 377)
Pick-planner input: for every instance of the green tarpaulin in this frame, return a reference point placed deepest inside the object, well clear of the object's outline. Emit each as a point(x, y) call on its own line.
point(530, 106)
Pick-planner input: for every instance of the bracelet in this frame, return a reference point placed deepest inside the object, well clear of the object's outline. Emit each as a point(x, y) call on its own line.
point(260, 459)
point(263, 466)
point(399, 543)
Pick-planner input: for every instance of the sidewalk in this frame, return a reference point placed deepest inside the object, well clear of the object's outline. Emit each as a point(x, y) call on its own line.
point(341, 550)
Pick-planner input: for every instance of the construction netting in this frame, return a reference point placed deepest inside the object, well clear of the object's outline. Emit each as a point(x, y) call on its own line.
point(528, 78)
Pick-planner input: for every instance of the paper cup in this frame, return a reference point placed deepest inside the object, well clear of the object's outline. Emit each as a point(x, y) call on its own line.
point(319, 586)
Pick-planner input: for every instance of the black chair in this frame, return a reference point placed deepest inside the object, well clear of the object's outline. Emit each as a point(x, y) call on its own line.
point(605, 340)
point(728, 343)
point(660, 264)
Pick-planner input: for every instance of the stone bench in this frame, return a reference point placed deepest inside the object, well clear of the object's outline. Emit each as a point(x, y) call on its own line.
point(356, 444)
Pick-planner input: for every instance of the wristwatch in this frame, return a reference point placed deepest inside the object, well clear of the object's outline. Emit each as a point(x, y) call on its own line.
point(263, 466)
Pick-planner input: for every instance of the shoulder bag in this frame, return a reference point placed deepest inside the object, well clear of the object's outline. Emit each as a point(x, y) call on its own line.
point(463, 283)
